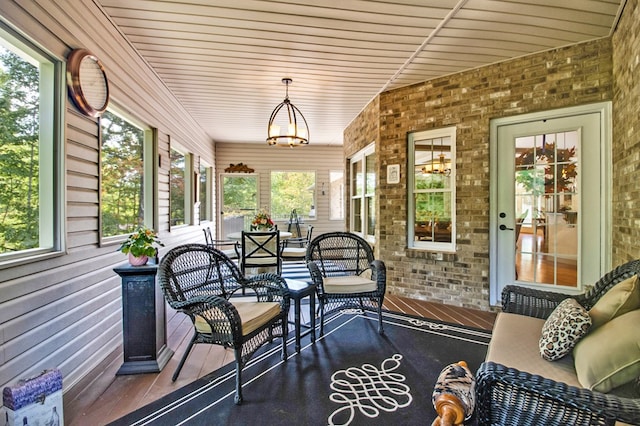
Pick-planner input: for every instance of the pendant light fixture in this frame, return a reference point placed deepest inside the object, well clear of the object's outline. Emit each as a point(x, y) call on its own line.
point(287, 125)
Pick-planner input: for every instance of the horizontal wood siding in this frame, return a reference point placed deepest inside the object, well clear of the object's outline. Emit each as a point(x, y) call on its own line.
point(264, 159)
point(64, 310)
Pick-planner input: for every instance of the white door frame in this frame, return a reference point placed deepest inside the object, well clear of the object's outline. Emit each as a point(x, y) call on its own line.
point(602, 108)
point(221, 231)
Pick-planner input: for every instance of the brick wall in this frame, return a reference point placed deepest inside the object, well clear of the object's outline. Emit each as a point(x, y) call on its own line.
point(570, 76)
point(626, 136)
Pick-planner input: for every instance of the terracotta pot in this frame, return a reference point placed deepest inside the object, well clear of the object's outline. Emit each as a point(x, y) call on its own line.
point(138, 261)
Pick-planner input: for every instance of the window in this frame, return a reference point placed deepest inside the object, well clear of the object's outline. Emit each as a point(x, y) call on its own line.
point(363, 188)
point(431, 222)
point(30, 156)
point(336, 194)
point(177, 190)
point(204, 192)
point(122, 187)
point(293, 190)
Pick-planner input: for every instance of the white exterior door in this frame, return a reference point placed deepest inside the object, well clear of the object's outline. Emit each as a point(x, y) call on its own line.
point(549, 199)
point(238, 201)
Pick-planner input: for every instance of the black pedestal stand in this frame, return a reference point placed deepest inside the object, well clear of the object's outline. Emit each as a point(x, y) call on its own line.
point(143, 321)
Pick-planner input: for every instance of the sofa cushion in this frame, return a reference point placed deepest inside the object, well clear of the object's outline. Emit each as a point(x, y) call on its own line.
point(609, 356)
point(568, 322)
point(514, 343)
point(622, 298)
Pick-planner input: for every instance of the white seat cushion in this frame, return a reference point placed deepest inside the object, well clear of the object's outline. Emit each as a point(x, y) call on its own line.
point(294, 252)
point(262, 260)
point(231, 253)
point(348, 284)
point(253, 315)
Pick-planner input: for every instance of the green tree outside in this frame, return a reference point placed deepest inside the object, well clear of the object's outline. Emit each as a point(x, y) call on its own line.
point(19, 153)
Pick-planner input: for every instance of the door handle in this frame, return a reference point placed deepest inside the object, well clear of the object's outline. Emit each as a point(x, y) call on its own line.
point(504, 228)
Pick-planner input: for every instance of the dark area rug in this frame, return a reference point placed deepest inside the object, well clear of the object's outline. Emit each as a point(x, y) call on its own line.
point(350, 376)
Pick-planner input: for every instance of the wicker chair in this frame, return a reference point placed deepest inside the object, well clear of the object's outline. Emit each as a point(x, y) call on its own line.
point(346, 274)
point(507, 396)
point(199, 280)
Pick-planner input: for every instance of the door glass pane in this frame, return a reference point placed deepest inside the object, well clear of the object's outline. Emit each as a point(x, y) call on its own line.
point(239, 202)
point(547, 208)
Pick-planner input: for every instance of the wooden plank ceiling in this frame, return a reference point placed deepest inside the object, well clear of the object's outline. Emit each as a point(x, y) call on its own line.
point(225, 59)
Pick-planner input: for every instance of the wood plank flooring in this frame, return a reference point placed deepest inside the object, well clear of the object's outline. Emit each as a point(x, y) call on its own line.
point(106, 397)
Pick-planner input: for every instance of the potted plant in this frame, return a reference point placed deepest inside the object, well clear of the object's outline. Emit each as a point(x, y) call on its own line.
point(140, 245)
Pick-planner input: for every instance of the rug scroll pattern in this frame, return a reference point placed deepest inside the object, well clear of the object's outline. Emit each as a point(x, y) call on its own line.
point(369, 390)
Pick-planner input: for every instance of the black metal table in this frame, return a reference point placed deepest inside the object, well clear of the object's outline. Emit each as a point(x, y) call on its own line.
point(298, 290)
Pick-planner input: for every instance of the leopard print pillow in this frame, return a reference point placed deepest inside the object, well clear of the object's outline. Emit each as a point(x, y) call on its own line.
point(568, 322)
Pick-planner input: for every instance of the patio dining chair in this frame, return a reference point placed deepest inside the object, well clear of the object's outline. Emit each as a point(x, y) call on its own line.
point(261, 250)
point(296, 248)
point(346, 275)
point(229, 247)
point(199, 281)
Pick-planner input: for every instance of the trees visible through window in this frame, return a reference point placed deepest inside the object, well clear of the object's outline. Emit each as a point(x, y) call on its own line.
point(293, 190)
point(178, 182)
point(432, 189)
point(28, 160)
point(122, 185)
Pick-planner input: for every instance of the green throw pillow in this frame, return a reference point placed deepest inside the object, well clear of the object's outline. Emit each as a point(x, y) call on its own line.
point(622, 298)
point(609, 356)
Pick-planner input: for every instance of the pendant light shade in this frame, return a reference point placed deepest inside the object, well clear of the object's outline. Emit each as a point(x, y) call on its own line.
point(287, 126)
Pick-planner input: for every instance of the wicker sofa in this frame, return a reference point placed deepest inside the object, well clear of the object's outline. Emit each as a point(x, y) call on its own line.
point(515, 386)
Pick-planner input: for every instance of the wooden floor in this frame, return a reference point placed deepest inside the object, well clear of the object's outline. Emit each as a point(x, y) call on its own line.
point(106, 397)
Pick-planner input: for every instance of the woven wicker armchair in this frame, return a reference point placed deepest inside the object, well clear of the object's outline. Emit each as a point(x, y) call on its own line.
point(346, 274)
point(199, 281)
point(506, 396)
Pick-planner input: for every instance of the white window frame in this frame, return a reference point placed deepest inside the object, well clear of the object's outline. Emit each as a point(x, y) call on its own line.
point(148, 175)
point(336, 196)
point(313, 214)
point(368, 194)
point(189, 196)
point(205, 206)
point(51, 153)
point(415, 138)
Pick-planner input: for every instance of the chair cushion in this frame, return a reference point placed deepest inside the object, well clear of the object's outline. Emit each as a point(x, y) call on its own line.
point(271, 260)
point(568, 322)
point(622, 298)
point(231, 253)
point(514, 343)
point(609, 356)
point(294, 252)
point(253, 315)
point(348, 284)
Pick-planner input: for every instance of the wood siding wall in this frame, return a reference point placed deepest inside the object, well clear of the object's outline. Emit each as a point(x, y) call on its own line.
point(264, 159)
point(64, 310)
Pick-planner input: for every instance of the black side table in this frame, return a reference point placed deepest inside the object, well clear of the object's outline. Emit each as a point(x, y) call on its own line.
point(298, 290)
point(143, 321)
